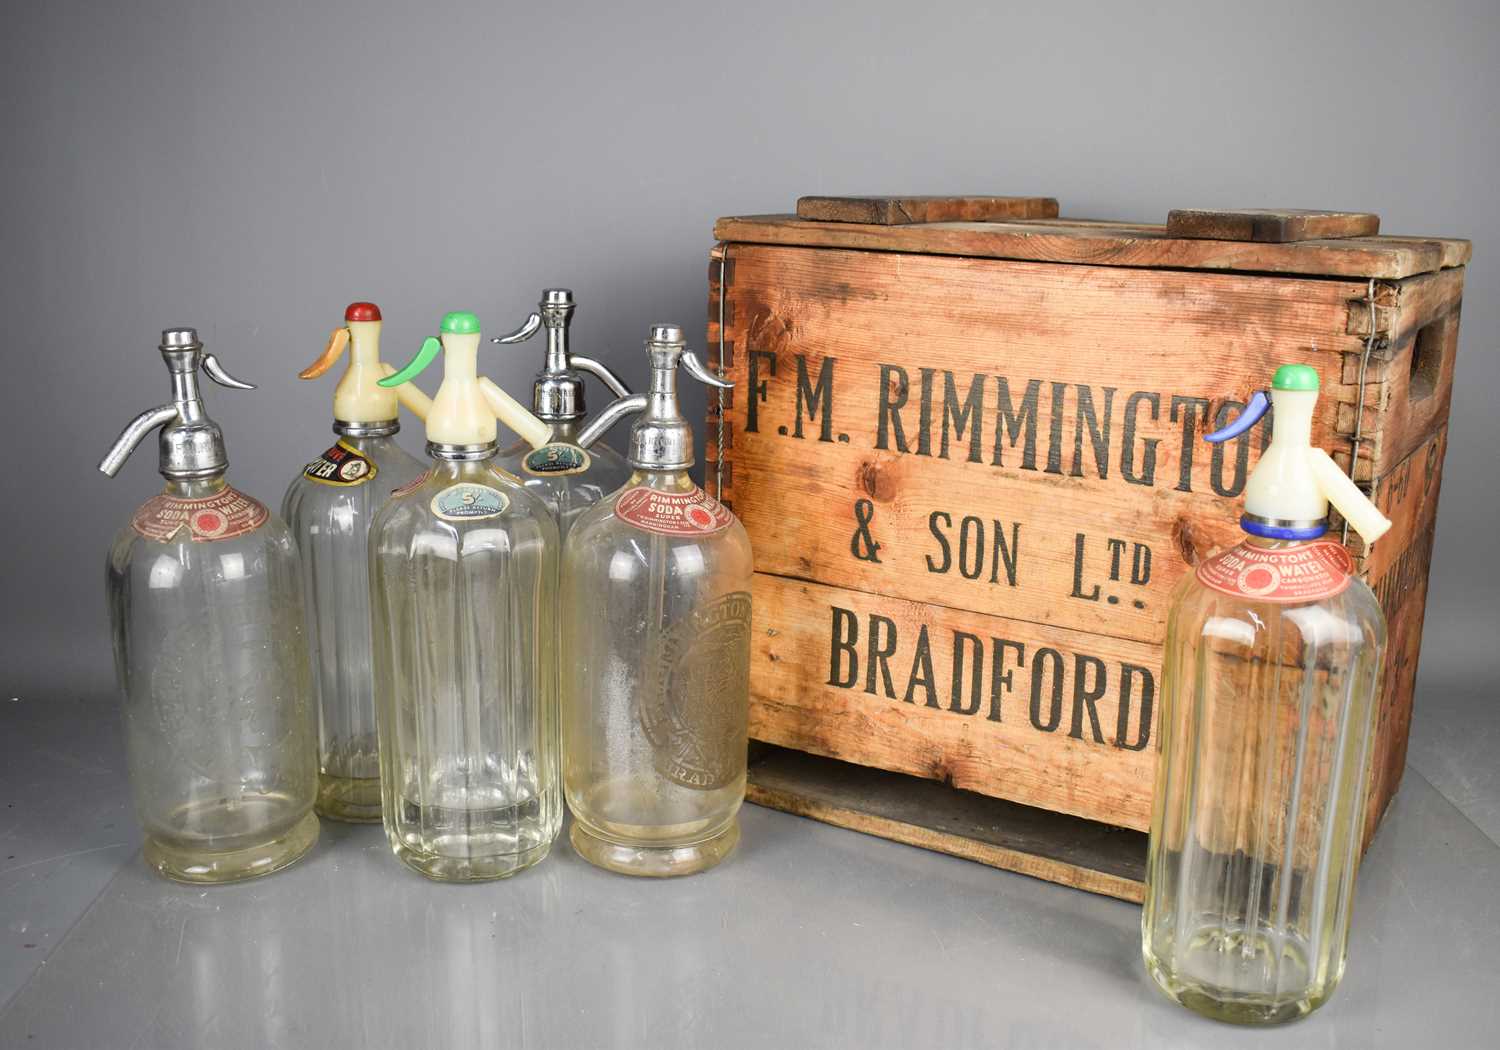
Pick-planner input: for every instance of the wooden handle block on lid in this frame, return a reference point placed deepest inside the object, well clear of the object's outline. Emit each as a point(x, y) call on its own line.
point(1270, 225)
point(901, 211)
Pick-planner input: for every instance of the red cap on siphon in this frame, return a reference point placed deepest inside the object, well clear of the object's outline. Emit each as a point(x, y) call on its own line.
point(362, 312)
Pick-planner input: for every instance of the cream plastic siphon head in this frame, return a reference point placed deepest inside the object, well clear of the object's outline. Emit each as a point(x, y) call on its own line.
point(1288, 493)
point(359, 398)
point(467, 404)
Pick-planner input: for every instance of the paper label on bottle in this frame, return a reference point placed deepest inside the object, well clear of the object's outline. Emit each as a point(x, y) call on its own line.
point(696, 709)
point(694, 513)
point(1304, 573)
point(467, 501)
point(342, 465)
point(223, 516)
point(556, 460)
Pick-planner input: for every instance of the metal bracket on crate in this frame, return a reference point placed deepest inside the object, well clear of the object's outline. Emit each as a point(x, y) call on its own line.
point(719, 452)
point(1372, 340)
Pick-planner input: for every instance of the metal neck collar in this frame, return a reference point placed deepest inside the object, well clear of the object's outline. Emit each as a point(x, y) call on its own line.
point(461, 453)
point(557, 397)
point(1282, 528)
point(379, 428)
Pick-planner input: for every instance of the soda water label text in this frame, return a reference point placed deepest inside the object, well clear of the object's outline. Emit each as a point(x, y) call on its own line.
point(693, 513)
point(1307, 572)
point(222, 516)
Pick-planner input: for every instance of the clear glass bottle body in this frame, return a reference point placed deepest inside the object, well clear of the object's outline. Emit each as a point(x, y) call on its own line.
point(1267, 718)
point(211, 659)
point(466, 675)
point(568, 495)
point(331, 523)
point(655, 689)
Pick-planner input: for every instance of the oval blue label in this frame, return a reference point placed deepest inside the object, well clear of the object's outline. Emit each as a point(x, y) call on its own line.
point(557, 458)
point(469, 502)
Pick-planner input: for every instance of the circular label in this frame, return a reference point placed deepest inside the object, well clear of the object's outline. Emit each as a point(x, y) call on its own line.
point(209, 524)
point(558, 458)
point(694, 513)
point(1306, 572)
point(697, 709)
point(467, 501)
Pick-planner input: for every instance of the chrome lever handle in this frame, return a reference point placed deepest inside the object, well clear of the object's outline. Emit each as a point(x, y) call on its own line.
point(700, 372)
point(526, 331)
point(217, 373)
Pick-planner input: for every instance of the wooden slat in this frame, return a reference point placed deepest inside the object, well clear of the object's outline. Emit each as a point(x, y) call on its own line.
point(1270, 226)
point(1419, 352)
point(897, 211)
point(1102, 244)
point(1079, 853)
point(797, 311)
point(1011, 738)
point(1455, 250)
point(1397, 570)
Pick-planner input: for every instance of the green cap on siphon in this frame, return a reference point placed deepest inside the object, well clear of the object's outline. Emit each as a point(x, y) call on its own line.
point(1295, 377)
point(460, 322)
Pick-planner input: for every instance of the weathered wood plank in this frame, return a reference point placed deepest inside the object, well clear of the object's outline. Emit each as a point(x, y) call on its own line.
point(1396, 570)
point(992, 715)
point(1270, 225)
point(1079, 853)
point(959, 516)
point(1456, 251)
point(1420, 344)
point(1027, 712)
point(897, 211)
point(1102, 244)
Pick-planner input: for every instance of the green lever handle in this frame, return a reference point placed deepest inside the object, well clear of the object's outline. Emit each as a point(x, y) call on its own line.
point(430, 349)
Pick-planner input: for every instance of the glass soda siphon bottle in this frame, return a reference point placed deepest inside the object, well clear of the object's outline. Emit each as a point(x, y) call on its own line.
point(463, 568)
point(206, 611)
point(1270, 682)
point(656, 599)
point(569, 478)
point(329, 507)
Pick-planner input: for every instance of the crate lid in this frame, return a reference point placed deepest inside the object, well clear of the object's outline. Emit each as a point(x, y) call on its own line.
point(1262, 240)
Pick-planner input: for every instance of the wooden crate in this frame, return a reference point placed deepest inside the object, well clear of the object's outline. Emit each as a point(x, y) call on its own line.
point(969, 455)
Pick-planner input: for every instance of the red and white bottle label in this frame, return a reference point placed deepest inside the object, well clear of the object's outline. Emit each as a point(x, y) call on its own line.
point(694, 513)
point(222, 516)
point(342, 465)
point(1304, 573)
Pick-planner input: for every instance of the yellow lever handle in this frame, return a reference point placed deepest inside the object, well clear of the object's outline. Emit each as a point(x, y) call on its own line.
point(338, 339)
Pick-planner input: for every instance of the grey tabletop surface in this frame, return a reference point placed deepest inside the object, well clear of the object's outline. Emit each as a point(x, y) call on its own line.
point(808, 936)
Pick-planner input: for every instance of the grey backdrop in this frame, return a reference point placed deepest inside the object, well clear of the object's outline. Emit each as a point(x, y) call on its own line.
point(249, 168)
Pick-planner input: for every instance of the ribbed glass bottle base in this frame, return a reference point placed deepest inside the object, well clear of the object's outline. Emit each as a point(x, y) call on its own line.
point(442, 868)
point(354, 800)
point(1235, 1008)
point(197, 865)
point(655, 861)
